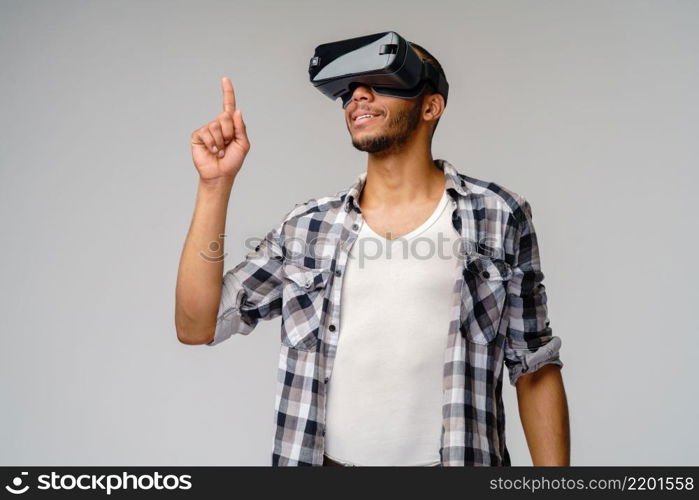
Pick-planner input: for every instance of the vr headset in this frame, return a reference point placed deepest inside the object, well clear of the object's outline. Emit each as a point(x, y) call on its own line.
point(383, 61)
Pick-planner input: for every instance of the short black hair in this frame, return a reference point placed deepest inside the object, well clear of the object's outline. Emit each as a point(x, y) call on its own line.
point(429, 87)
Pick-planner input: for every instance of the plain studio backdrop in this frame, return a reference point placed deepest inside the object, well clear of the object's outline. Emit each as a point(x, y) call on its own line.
point(587, 108)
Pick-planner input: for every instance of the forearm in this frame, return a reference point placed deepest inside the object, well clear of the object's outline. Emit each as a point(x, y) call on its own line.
point(543, 410)
point(199, 277)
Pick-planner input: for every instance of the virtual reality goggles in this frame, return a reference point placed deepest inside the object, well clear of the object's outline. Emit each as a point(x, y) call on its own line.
point(383, 61)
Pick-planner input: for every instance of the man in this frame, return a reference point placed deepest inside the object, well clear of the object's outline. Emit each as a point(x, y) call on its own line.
point(387, 356)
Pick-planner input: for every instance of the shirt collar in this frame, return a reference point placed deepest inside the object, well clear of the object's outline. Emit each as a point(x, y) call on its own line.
point(454, 184)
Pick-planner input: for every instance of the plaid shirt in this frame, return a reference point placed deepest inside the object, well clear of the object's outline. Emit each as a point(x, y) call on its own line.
point(499, 315)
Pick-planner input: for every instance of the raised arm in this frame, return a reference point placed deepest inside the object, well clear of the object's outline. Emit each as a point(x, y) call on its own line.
point(218, 151)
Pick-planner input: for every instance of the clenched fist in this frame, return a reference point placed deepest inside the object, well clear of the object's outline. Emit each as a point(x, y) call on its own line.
point(219, 147)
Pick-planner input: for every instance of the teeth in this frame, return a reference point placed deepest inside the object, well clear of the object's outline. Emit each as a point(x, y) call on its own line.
point(362, 116)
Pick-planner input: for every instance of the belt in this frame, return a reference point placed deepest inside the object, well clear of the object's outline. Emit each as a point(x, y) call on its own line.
point(327, 461)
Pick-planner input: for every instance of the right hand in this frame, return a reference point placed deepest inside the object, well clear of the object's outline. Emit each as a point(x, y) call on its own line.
point(225, 135)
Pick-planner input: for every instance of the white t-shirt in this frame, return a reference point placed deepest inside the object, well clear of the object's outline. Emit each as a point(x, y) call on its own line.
point(385, 395)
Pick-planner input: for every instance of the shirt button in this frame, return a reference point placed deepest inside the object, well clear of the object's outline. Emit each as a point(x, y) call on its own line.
point(327, 379)
point(355, 226)
point(338, 273)
point(331, 328)
point(486, 274)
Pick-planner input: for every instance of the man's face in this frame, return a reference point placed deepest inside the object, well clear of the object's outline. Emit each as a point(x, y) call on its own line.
point(393, 125)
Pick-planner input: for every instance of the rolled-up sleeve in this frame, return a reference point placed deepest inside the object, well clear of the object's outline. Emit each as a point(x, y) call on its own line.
point(251, 291)
point(530, 342)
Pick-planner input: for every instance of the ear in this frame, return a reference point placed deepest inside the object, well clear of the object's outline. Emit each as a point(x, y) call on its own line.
point(433, 106)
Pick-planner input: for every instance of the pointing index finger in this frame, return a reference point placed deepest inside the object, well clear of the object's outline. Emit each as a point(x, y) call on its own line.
point(228, 95)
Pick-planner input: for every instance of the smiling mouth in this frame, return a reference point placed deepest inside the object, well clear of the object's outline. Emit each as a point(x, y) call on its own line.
point(364, 119)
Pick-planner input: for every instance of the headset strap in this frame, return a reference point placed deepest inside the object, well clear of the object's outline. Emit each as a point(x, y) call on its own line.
point(429, 72)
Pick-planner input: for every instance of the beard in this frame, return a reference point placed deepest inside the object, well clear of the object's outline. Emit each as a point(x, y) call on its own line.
point(396, 133)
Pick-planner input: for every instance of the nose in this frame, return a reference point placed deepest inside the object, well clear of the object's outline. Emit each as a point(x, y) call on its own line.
point(360, 92)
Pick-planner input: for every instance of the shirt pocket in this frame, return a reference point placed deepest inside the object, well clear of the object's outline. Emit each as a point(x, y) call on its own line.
point(483, 296)
point(303, 305)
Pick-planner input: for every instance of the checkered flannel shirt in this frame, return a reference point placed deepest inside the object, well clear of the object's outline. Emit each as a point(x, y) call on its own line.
point(499, 315)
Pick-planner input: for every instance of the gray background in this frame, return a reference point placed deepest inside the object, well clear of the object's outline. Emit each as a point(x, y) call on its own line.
point(587, 108)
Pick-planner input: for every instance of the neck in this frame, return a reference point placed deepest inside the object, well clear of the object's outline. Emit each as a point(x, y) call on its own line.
point(402, 179)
